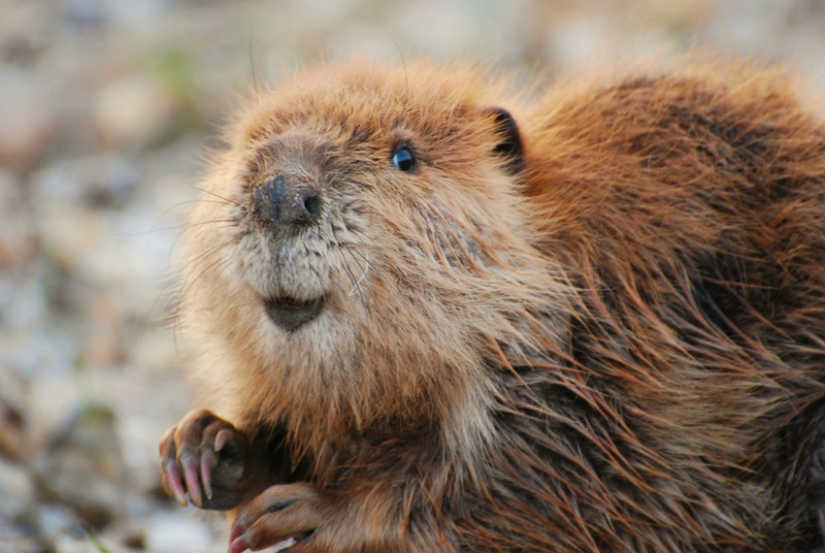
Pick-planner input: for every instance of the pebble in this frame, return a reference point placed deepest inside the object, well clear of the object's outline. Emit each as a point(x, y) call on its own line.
point(82, 465)
point(14, 440)
point(177, 532)
point(53, 520)
point(29, 115)
point(17, 229)
point(15, 538)
point(135, 112)
point(16, 489)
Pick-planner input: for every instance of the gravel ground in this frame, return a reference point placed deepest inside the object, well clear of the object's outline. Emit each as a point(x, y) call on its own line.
point(106, 109)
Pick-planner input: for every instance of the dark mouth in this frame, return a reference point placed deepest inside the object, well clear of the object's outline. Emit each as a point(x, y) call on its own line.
point(290, 313)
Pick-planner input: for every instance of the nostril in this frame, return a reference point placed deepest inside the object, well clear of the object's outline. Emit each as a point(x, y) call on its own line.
point(312, 205)
point(282, 201)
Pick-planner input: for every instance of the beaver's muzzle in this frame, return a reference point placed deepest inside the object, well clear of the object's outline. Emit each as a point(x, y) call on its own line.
point(284, 201)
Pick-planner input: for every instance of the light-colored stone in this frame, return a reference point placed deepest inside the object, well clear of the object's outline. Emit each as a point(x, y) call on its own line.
point(14, 539)
point(177, 532)
point(53, 520)
point(135, 111)
point(82, 465)
point(16, 489)
point(29, 115)
point(14, 440)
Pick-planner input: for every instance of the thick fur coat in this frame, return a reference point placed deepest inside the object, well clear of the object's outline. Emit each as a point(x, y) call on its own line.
point(589, 322)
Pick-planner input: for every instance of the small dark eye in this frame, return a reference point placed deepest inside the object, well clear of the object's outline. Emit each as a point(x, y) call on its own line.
point(403, 159)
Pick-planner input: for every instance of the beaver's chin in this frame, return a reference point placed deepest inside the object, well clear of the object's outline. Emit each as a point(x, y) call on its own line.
point(290, 314)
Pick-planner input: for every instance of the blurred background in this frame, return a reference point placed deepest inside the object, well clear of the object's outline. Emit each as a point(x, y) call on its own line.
point(106, 108)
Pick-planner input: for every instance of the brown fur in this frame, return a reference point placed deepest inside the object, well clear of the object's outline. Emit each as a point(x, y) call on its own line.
point(619, 347)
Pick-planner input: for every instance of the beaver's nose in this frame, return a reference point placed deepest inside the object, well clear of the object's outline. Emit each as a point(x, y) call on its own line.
point(284, 201)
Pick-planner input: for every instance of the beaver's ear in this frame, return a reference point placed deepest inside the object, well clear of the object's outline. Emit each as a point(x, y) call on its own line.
point(509, 145)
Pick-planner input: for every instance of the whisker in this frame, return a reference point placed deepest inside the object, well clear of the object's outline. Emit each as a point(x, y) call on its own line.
point(232, 220)
point(352, 252)
point(193, 201)
point(350, 275)
point(364, 259)
point(220, 223)
point(203, 255)
point(356, 283)
point(220, 263)
point(218, 196)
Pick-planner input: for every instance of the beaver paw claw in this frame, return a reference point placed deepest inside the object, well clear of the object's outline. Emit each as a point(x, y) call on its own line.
point(204, 456)
point(287, 514)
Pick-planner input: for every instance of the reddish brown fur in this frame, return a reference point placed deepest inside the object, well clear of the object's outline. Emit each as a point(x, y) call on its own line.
point(620, 347)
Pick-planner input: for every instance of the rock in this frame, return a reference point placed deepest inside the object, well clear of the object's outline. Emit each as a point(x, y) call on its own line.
point(82, 466)
point(18, 231)
point(177, 532)
point(73, 543)
point(95, 13)
point(14, 539)
point(123, 534)
point(135, 112)
point(97, 182)
point(49, 370)
point(103, 346)
point(53, 520)
point(14, 441)
point(84, 13)
point(95, 222)
point(26, 30)
point(29, 118)
point(16, 489)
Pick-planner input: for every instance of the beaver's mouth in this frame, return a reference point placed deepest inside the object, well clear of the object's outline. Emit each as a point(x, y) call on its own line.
point(290, 313)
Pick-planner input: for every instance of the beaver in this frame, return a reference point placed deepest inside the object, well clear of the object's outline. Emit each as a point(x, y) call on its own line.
point(436, 313)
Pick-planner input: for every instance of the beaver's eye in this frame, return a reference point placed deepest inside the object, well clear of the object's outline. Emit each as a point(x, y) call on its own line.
point(403, 159)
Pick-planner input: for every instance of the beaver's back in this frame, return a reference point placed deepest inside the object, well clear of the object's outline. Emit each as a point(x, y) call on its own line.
point(689, 209)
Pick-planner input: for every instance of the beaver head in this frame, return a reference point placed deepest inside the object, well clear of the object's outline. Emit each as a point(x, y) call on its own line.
point(361, 246)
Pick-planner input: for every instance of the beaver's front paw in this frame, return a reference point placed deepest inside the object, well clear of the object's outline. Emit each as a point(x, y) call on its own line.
point(206, 457)
point(293, 512)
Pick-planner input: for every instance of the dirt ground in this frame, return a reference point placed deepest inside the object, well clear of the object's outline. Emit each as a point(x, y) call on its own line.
point(106, 108)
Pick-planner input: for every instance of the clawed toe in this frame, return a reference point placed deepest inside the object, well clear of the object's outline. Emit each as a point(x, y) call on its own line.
point(282, 512)
point(203, 458)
